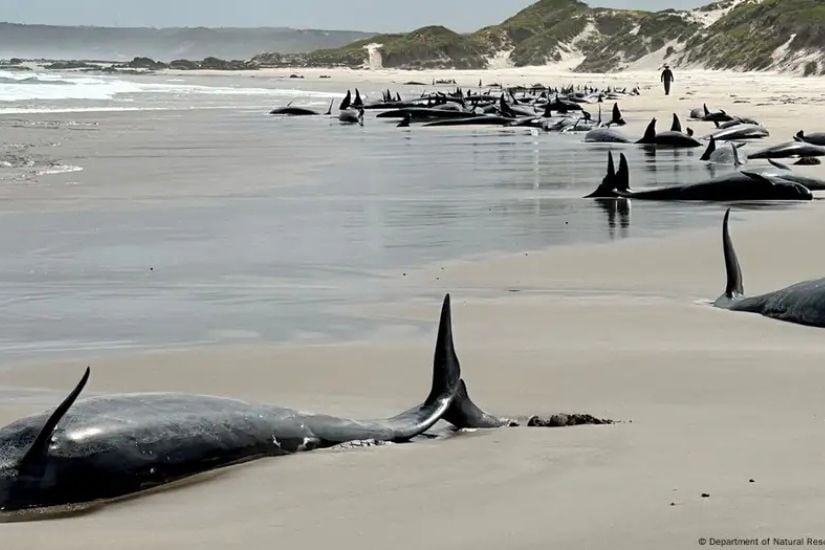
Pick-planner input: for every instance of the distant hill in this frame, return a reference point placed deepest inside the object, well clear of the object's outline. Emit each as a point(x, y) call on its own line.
point(784, 35)
point(121, 44)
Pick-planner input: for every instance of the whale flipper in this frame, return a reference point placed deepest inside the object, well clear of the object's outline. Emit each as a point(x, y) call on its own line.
point(779, 165)
point(33, 462)
point(737, 161)
point(735, 287)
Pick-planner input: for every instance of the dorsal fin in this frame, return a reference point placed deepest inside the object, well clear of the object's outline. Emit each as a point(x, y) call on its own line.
point(39, 449)
point(446, 368)
point(347, 101)
point(677, 124)
point(716, 123)
point(623, 175)
point(707, 111)
point(800, 136)
point(331, 102)
point(650, 133)
point(608, 186)
point(735, 286)
point(709, 151)
point(617, 115)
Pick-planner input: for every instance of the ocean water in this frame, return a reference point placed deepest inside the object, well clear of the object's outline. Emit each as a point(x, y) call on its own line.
point(151, 211)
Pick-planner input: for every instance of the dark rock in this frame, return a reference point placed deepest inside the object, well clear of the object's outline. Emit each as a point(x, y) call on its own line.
point(808, 161)
point(563, 420)
point(184, 65)
point(64, 65)
point(216, 64)
point(146, 63)
point(705, 495)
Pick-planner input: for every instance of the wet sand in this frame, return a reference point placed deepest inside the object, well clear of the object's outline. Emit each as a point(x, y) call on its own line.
point(708, 400)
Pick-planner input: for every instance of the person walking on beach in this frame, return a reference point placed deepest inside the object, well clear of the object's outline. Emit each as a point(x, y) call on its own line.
point(667, 78)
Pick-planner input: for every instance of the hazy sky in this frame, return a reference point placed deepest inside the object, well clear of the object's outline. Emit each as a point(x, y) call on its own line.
point(372, 15)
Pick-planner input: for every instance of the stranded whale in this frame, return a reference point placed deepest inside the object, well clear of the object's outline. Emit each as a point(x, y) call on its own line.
point(802, 303)
point(114, 445)
point(736, 186)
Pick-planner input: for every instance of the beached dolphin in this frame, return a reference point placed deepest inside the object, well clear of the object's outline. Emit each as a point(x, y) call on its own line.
point(719, 116)
point(299, 111)
point(788, 150)
point(351, 116)
point(667, 139)
point(739, 132)
point(482, 120)
point(817, 138)
point(802, 303)
point(784, 172)
point(109, 446)
point(606, 135)
point(425, 114)
point(729, 154)
point(737, 186)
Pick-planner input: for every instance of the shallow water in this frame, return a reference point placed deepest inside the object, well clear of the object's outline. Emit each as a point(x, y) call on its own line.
point(180, 212)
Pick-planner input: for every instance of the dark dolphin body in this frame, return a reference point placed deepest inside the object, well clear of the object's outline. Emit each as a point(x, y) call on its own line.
point(110, 446)
point(802, 303)
point(606, 135)
point(740, 131)
point(425, 114)
point(788, 150)
point(737, 186)
point(667, 139)
point(483, 120)
point(817, 138)
point(299, 111)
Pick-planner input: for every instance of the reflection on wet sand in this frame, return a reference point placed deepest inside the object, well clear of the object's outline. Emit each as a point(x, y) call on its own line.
point(618, 216)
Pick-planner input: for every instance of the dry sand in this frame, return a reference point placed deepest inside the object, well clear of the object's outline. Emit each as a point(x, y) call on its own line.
point(710, 399)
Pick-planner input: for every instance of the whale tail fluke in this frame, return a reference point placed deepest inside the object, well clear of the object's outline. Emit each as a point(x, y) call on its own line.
point(710, 150)
point(734, 288)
